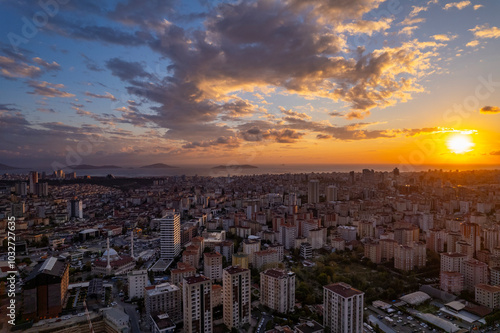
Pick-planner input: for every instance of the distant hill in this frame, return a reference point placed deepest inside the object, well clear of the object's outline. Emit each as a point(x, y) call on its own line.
point(7, 167)
point(157, 166)
point(235, 166)
point(89, 167)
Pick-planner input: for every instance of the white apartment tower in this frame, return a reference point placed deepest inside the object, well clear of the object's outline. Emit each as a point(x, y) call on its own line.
point(277, 290)
point(343, 308)
point(197, 304)
point(137, 281)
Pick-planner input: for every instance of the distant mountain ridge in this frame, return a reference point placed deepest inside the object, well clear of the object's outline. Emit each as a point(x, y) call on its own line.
point(236, 166)
point(7, 167)
point(89, 167)
point(157, 166)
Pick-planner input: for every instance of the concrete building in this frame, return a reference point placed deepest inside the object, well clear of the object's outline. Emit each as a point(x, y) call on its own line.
point(452, 262)
point(495, 276)
point(266, 258)
point(306, 250)
point(338, 244)
point(236, 295)
point(182, 271)
point(373, 251)
point(387, 247)
point(436, 240)
point(343, 308)
point(277, 290)
point(471, 233)
point(332, 193)
point(309, 327)
point(164, 298)
point(170, 235)
point(348, 233)
point(45, 289)
point(313, 191)
point(75, 209)
point(212, 265)
point(197, 304)
point(317, 238)
point(250, 246)
point(240, 259)
point(475, 272)
point(137, 281)
point(451, 282)
point(488, 295)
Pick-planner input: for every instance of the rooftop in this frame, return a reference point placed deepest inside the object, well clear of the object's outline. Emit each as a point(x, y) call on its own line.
point(343, 289)
point(235, 269)
point(196, 279)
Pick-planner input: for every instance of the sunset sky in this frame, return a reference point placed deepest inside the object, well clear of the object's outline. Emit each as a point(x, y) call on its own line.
point(251, 82)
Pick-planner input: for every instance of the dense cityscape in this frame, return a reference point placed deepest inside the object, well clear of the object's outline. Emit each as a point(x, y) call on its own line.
point(321, 252)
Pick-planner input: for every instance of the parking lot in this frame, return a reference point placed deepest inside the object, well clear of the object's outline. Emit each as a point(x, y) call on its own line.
point(400, 322)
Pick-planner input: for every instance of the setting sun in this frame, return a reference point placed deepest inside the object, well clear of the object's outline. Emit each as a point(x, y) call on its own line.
point(460, 143)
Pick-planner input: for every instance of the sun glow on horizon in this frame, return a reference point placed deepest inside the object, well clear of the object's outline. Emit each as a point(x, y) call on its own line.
point(460, 143)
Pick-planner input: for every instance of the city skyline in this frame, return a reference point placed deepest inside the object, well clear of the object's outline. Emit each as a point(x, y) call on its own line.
point(250, 82)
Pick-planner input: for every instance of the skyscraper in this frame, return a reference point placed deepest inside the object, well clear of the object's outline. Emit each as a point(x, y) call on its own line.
point(170, 236)
point(332, 193)
point(236, 304)
point(313, 191)
point(343, 308)
point(75, 208)
point(197, 304)
point(33, 181)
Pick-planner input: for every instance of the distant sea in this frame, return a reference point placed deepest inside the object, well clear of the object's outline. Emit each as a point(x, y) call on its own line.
point(205, 170)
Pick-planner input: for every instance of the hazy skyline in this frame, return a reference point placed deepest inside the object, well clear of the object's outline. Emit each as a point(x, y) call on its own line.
point(250, 82)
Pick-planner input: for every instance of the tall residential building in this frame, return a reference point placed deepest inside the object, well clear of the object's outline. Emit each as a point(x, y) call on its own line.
point(212, 265)
point(164, 298)
point(42, 189)
point(343, 308)
point(236, 291)
point(240, 259)
point(197, 304)
point(451, 282)
point(452, 262)
point(33, 177)
point(475, 272)
point(471, 232)
point(45, 289)
point(332, 193)
point(313, 191)
point(250, 246)
point(182, 271)
point(436, 239)
point(137, 281)
point(277, 290)
point(75, 208)
point(170, 236)
point(373, 251)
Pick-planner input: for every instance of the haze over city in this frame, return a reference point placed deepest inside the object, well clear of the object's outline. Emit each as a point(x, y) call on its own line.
point(210, 82)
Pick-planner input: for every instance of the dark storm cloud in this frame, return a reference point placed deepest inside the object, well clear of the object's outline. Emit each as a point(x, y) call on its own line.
point(297, 46)
point(126, 70)
point(228, 142)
